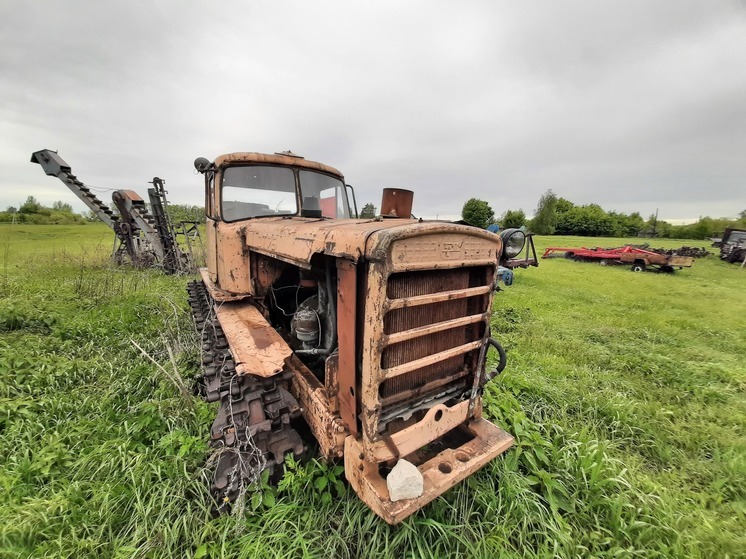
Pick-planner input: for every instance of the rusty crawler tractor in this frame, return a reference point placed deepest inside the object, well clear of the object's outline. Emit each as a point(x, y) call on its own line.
point(146, 239)
point(372, 334)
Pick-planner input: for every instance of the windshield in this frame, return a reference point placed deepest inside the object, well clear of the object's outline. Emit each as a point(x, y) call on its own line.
point(737, 237)
point(257, 191)
point(325, 193)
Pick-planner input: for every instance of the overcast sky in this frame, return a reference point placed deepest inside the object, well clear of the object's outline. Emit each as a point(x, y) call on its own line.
point(631, 105)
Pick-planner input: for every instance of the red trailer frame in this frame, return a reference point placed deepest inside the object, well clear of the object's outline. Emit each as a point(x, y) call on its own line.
point(639, 258)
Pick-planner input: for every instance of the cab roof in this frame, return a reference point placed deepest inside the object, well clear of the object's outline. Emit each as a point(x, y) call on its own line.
point(287, 159)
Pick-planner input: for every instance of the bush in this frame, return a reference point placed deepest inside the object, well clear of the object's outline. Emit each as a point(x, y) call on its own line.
point(35, 213)
point(513, 218)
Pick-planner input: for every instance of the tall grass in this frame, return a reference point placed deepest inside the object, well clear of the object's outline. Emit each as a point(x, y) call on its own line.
point(625, 393)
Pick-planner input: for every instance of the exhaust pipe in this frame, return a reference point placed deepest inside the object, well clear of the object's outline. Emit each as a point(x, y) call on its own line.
point(397, 202)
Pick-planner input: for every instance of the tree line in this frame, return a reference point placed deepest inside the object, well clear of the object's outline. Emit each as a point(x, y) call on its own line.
point(553, 216)
point(61, 213)
point(558, 216)
point(32, 211)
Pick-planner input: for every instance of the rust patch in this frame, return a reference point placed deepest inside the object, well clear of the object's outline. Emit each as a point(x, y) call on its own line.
point(257, 348)
point(488, 442)
point(262, 340)
point(346, 320)
point(324, 422)
point(215, 292)
point(244, 246)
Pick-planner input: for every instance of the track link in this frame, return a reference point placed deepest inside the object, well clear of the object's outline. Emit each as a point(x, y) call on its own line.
point(252, 431)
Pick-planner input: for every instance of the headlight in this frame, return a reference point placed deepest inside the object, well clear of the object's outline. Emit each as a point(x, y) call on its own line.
point(513, 241)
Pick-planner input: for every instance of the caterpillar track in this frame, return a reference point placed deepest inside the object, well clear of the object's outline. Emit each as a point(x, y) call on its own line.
point(252, 431)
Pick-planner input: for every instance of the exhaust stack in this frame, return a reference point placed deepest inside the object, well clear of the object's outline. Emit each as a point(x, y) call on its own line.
point(397, 202)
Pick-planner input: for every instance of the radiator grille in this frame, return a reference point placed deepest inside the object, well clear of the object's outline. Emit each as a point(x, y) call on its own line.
point(418, 345)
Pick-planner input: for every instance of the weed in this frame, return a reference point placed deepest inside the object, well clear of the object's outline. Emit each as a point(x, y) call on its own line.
point(625, 393)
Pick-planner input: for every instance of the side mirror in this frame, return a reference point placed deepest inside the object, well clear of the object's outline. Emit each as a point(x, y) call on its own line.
point(202, 164)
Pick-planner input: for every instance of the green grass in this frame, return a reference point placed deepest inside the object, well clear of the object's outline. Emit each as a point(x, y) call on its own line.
point(625, 393)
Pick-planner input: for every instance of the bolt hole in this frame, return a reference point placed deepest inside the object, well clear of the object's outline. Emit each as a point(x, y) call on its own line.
point(362, 456)
point(445, 468)
point(352, 391)
point(438, 415)
point(360, 467)
point(462, 457)
point(384, 471)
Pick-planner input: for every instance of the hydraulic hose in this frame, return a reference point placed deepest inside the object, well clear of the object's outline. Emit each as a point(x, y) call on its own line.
point(488, 376)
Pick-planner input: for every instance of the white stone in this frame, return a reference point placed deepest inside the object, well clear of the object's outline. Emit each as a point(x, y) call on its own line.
point(404, 481)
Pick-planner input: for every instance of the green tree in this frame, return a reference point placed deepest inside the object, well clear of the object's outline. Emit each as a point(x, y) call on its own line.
point(590, 220)
point(703, 228)
point(563, 205)
point(368, 211)
point(545, 217)
point(30, 206)
point(182, 212)
point(60, 206)
point(659, 227)
point(513, 218)
point(632, 224)
point(477, 213)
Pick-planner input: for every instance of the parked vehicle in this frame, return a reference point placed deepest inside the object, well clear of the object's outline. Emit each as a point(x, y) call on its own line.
point(733, 245)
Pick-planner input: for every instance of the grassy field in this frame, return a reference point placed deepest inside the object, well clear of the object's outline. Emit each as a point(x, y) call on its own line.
point(625, 393)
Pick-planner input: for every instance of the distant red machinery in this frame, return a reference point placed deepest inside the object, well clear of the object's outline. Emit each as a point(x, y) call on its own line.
point(638, 258)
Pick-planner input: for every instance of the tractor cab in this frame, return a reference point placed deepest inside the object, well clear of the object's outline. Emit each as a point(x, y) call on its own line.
point(243, 186)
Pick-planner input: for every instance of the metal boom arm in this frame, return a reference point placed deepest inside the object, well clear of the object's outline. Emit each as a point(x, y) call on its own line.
point(55, 166)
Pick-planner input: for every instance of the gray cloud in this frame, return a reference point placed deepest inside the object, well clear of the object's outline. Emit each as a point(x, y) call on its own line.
point(634, 106)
